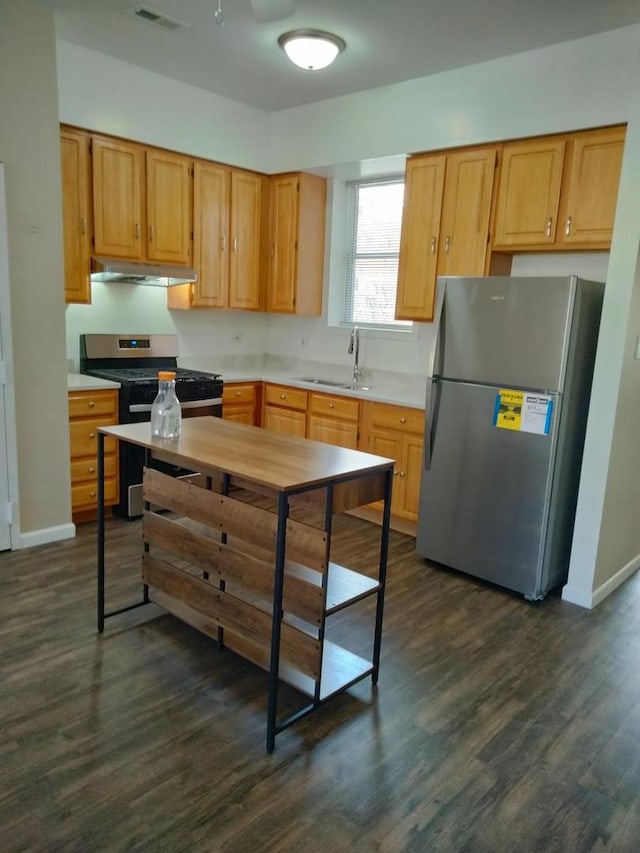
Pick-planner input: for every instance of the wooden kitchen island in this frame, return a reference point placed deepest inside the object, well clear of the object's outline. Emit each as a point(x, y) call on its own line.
point(242, 550)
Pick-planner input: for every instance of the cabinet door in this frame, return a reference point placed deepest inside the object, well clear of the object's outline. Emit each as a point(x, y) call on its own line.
point(424, 184)
point(211, 198)
point(589, 200)
point(285, 421)
point(74, 152)
point(283, 227)
point(411, 475)
point(168, 207)
point(333, 431)
point(117, 198)
point(241, 413)
point(388, 443)
point(466, 209)
point(529, 193)
point(246, 215)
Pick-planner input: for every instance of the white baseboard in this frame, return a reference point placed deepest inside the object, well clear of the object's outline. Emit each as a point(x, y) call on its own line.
point(47, 534)
point(592, 598)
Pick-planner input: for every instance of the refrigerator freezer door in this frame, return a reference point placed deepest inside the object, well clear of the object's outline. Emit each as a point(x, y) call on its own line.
point(483, 502)
point(506, 331)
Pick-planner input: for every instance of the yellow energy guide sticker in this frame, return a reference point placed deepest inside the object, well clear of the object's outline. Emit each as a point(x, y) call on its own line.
point(508, 410)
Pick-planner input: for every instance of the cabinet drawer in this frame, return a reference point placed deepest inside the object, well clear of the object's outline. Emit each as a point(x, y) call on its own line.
point(83, 470)
point(85, 495)
point(83, 437)
point(238, 394)
point(280, 395)
point(337, 407)
point(397, 417)
point(86, 403)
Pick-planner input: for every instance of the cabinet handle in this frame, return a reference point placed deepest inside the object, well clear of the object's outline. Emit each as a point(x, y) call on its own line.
point(137, 230)
point(548, 228)
point(92, 494)
point(433, 245)
point(83, 225)
point(238, 393)
point(151, 233)
point(447, 244)
point(403, 473)
point(273, 250)
point(403, 420)
point(223, 244)
point(395, 473)
point(92, 435)
point(567, 227)
point(331, 405)
point(235, 244)
point(92, 403)
point(283, 396)
point(91, 469)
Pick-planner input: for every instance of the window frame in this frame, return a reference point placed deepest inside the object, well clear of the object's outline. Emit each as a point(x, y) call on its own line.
point(351, 195)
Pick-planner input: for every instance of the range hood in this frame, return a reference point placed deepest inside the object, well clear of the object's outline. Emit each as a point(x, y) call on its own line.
point(132, 272)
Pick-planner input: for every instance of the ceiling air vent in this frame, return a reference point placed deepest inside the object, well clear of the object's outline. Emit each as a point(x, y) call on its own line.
point(145, 13)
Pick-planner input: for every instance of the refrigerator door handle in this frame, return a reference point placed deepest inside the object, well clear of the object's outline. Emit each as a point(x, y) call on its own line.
point(430, 419)
point(433, 390)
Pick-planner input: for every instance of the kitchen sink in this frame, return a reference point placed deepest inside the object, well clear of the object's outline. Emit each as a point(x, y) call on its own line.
point(331, 383)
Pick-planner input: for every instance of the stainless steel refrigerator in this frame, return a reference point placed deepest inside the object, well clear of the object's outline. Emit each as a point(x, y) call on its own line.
point(508, 391)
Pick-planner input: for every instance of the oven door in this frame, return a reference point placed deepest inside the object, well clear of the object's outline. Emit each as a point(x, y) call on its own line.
point(132, 457)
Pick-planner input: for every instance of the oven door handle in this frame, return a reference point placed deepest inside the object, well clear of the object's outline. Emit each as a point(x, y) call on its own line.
point(189, 404)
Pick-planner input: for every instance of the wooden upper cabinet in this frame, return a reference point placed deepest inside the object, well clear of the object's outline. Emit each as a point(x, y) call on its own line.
point(228, 240)
point(466, 211)
point(424, 186)
point(211, 198)
point(529, 193)
point(76, 214)
point(169, 205)
point(445, 224)
point(248, 193)
point(141, 202)
point(560, 192)
point(118, 169)
point(297, 213)
point(590, 192)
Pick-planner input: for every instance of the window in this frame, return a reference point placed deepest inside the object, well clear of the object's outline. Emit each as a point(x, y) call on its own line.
point(374, 218)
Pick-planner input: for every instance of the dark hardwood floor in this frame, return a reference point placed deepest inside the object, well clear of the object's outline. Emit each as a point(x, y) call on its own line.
point(497, 725)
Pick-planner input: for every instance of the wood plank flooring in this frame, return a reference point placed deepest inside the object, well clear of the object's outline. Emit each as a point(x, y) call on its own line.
point(497, 725)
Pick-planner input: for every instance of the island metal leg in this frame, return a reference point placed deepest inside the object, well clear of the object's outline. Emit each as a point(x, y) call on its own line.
point(382, 574)
point(278, 585)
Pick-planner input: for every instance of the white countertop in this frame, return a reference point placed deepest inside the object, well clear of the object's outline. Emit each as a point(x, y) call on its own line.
point(82, 382)
point(397, 389)
point(381, 391)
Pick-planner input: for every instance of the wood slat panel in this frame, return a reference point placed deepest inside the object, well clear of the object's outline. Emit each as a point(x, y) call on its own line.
point(224, 513)
point(220, 608)
point(307, 545)
point(301, 597)
point(355, 493)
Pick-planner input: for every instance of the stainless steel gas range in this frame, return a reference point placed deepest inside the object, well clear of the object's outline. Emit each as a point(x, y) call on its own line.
point(134, 361)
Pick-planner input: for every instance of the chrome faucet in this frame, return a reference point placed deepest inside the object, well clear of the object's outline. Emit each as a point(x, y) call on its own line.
point(354, 349)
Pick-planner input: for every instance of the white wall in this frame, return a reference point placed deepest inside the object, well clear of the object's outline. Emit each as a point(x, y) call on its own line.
point(105, 94)
point(132, 309)
point(30, 150)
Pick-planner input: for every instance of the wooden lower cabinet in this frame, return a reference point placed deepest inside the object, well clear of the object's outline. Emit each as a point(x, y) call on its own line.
point(241, 402)
point(89, 410)
point(397, 432)
point(285, 410)
point(333, 419)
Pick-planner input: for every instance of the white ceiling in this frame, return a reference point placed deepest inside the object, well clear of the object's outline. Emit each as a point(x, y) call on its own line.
point(387, 40)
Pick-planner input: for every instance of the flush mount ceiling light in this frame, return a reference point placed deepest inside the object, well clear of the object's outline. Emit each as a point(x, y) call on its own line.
point(311, 49)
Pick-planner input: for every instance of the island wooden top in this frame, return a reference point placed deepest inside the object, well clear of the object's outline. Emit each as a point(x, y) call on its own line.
point(282, 462)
